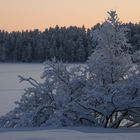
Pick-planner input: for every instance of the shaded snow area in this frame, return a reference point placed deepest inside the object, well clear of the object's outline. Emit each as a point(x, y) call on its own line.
point(81, 133)
point(10, 88)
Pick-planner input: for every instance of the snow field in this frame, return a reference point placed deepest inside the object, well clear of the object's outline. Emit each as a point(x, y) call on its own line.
point(70, 134)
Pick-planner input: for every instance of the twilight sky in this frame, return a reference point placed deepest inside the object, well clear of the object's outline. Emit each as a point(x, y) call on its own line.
point(32, 14)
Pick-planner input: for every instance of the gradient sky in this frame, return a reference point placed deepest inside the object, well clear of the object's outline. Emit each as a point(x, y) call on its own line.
point(32, 14)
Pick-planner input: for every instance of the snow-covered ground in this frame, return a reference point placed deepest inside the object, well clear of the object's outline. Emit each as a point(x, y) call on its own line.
point(81, 133)
point(10, 88)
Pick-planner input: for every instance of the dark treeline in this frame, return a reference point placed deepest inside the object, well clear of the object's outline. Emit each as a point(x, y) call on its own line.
point(72, 44)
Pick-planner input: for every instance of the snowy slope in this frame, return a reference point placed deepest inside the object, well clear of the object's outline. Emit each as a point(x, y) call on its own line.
point(70, 134)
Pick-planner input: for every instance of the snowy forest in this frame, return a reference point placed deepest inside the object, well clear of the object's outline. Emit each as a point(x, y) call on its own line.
point(103, 92)
point(66, 44)
point(72, 44)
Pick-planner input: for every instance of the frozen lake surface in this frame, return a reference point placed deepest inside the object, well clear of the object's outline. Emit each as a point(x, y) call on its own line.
point(10, 88)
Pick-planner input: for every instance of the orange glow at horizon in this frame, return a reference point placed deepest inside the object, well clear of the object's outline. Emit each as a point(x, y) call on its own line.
point(40, 14)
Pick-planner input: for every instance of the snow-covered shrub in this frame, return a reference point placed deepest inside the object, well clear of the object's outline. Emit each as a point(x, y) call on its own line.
point(116, 90)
